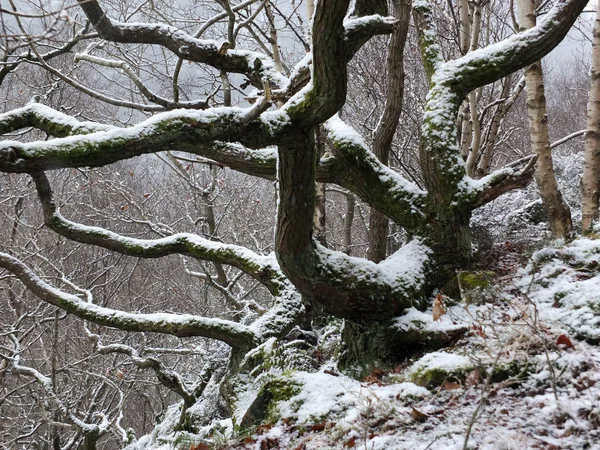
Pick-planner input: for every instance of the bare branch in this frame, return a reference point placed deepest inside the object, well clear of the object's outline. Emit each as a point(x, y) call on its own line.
point(261, 268)
point(503, 180)
point(254, 65)
point(182, 325)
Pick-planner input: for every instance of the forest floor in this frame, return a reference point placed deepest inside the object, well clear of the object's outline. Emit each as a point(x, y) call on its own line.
point(524, 375)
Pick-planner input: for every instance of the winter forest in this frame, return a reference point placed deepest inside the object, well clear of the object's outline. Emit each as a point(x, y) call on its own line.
point(299, 224)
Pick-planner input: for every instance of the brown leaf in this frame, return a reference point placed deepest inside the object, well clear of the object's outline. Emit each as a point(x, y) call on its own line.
point(264, 427)
point(450, 385)
point(350, 443)
point(199, 446)
point(417, 415)
point(564, 341)
point(319, 426)
point(438, 307)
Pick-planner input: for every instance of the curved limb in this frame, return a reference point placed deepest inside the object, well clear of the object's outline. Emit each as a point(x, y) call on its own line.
point(49, 120)
point(346, 287)
point(374, 182)
point(184, 130)
point(254, 65)
point(182, 325)
point(443, 167)
point(514, 176)
point(261, 268)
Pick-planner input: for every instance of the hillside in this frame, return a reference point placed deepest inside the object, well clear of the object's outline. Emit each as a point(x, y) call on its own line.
point(522, 374)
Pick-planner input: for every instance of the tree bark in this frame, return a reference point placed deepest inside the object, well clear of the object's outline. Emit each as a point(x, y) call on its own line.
point(559, 214)
point(386, 128)
point(591, 170)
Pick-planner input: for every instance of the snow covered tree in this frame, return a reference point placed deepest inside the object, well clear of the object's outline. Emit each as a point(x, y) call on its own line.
point(293, 112)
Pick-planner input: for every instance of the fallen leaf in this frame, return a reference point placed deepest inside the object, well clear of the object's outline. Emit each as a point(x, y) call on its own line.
point(450, 385)
point(350, 443)
point(417, 415)
point(200, 446)
point(564, 341)
point(318, 426)
point(438, 307)
point(264, 427)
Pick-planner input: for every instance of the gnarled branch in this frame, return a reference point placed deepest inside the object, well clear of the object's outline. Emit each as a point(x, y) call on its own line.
point(262, 268)
point(182, 325)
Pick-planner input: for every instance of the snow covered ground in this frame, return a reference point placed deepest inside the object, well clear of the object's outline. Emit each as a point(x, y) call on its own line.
point(525, 376)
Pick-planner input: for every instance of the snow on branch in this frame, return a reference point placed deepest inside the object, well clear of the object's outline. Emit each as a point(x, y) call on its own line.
point(44, 118)
point(496, 61)
point(516, 175)
point(182, 325)
point(183, 130)
point(255, 66)
point(444, 170)
point(376, 184)
point(371, 291)
point(431, 52)
point(359, 30)
point(262, 268)
point(167, 377)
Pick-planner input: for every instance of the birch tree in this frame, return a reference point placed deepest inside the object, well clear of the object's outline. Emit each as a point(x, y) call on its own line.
point(591, 171)
point(558, 212)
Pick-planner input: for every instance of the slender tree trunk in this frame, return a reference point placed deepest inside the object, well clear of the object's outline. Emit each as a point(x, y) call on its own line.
point(386, 128)
point(319, 215)
point(348, 219)
point(274, 39)
point(491, 135)
point(559, 214)
point(475, 132)
point(464, 37)
point(591, 168)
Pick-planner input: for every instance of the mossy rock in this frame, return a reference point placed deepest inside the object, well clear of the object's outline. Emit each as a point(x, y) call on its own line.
point(434, 368)
point(432, 377)
point(481, 279)
point(264, 407)
point(516, 368)
point(476, 286)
